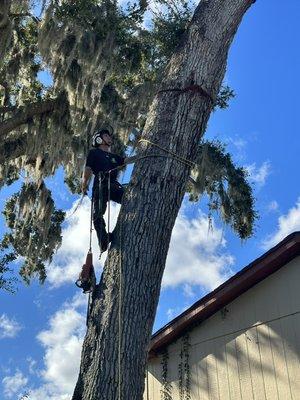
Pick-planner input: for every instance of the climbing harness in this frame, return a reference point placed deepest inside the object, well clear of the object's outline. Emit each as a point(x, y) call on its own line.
point(108, 206)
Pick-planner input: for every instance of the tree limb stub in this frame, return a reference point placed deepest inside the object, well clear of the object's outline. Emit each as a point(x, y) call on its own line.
point(24, 114)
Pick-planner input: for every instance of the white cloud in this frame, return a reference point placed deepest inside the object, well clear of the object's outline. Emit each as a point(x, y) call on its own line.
point(14, 384)
point(32, 366)
point(197, 255)
point(62, 342)
point(260, 174)
point(64, 337)
point(239, 144)
point(70, 257)
point(188, 291)
point(47, 392)
point(9, 327)
point(286, 224)
point(273, 206)
point(172, 312)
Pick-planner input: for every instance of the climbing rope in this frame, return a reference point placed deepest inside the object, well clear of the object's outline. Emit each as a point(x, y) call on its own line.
point(120, 318)
point(90, 251)
point(174, 155)
point(91, 225)
point(147, 381)
point(171, 155)
point(108, 204)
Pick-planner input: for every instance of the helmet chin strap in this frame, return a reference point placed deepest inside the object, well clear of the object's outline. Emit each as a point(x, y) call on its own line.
point(105, 142)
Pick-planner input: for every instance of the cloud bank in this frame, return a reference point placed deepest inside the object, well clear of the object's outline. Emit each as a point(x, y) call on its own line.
point(286, 224)
point(9, 327)
point(14, 385)
point(197, 254)
point(62, 342)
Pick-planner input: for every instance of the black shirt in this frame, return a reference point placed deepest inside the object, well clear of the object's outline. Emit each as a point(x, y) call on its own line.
point(102, 161)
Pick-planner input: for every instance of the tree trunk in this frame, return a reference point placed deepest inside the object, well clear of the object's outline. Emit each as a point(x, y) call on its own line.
point(177, 121)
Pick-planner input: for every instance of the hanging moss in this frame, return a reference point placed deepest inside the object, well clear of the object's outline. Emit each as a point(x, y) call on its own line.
point(35, 226)
point(227, 187)
point(7, 279)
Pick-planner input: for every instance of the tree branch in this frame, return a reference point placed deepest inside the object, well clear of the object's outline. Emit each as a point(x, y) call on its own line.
point(19, 15)
point(24, 114)
point(6, 109)
point(23, 15)
point(5, 27)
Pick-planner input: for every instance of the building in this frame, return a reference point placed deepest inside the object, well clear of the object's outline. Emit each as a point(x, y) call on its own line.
point(241, 341)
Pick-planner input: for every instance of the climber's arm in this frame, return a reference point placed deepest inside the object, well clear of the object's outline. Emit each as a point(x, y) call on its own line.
point(130, 160)
point(87, 174)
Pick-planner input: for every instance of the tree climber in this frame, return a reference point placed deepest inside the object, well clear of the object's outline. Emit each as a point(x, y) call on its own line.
point(99, 161)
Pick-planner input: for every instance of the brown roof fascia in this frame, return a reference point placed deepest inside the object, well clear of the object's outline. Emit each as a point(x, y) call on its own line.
point(249, 276)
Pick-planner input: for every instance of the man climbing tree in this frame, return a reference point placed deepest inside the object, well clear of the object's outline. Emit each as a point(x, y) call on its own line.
point(104, 165)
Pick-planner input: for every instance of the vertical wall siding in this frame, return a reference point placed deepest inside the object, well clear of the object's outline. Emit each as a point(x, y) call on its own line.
point(249, 351)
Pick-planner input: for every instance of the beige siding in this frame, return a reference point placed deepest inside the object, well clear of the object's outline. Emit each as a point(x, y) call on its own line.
point(249, 352)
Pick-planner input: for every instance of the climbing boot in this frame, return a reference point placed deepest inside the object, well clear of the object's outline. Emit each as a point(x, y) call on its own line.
point(103, 242)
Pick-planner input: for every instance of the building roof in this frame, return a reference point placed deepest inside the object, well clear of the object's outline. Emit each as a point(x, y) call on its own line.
point(255, 272)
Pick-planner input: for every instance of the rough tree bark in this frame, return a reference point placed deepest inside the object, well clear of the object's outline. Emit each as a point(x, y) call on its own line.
point(177, 121)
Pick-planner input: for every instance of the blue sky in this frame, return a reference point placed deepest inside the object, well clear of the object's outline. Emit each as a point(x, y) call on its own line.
point(41, 327)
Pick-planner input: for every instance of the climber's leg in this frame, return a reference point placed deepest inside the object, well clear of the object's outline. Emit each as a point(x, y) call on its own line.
point(100, 204)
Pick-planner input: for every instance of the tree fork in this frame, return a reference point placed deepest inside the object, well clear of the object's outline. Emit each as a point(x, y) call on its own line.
point(176, 121)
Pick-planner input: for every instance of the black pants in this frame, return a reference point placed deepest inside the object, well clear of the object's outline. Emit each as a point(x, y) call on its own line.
point(100, 199)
